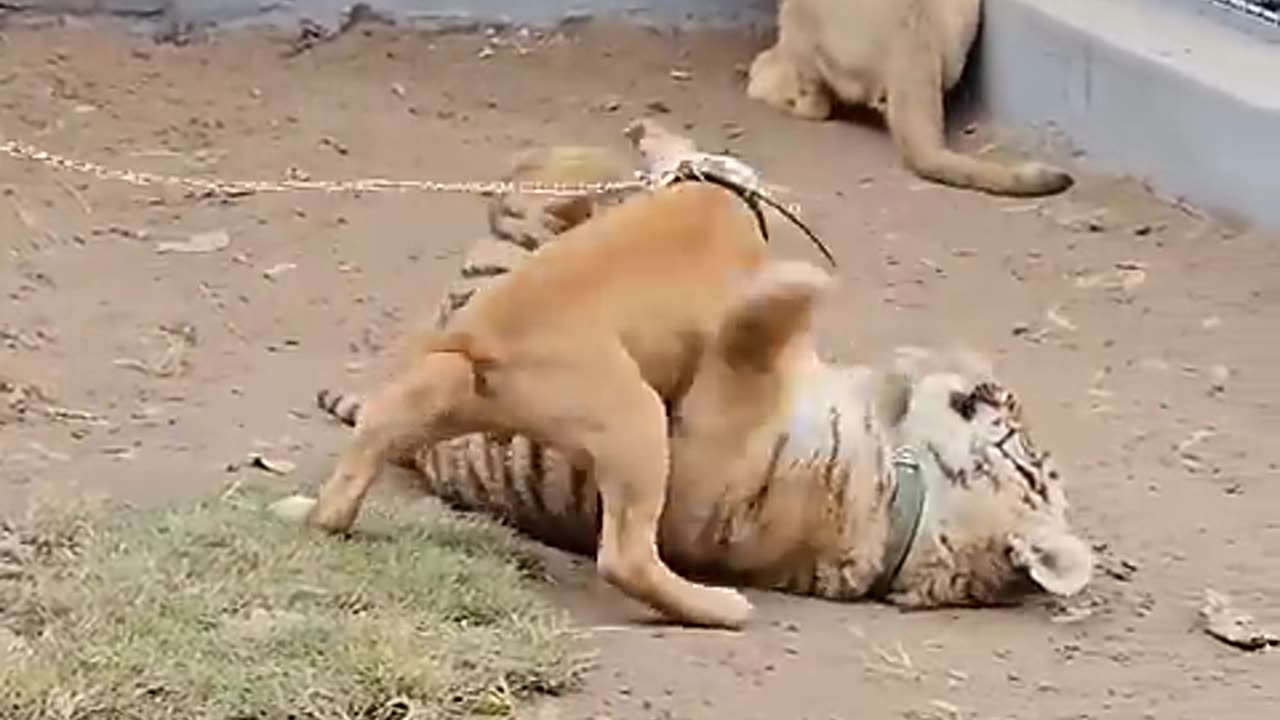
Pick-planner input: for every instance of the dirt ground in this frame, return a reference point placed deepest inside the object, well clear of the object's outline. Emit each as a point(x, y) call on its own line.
point(1141, 335)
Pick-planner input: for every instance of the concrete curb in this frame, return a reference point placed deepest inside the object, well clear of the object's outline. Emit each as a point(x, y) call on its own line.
point(1151, 90)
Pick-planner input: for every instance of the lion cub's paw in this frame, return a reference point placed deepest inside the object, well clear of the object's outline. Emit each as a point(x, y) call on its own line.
point(294, 508)
point(1036, 178)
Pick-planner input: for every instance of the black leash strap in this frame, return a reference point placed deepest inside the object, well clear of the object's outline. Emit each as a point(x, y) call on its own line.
point(753, 198)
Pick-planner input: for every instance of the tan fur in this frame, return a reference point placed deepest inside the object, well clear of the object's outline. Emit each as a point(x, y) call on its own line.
point(579, 347)
point(899, 58)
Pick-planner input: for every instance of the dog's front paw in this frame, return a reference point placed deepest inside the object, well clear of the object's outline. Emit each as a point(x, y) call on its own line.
point(726, 608)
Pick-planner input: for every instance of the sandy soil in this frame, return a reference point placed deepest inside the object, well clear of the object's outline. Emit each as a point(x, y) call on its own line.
point(1141, 336)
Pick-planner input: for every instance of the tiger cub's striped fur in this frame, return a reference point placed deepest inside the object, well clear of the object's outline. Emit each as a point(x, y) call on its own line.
point(469, 471)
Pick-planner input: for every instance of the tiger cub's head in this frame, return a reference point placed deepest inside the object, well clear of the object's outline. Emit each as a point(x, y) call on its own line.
point(536, 218)
point(994, 528)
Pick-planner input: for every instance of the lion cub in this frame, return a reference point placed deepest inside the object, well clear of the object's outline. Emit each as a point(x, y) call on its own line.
point(897, 57)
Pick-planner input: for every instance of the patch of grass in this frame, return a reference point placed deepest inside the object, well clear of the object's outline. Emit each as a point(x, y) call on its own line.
point(221, 611)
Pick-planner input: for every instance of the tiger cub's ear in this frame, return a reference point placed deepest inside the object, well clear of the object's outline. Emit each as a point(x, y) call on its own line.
point(570, 211)
point(1056, 559)
point(569, 165)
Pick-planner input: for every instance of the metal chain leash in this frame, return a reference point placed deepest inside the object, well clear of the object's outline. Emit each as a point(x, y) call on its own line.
point(19, 150)
point(727, 169)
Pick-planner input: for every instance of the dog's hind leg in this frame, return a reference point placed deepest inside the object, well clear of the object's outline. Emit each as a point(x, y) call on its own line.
point(606, 411)
point(414, 409)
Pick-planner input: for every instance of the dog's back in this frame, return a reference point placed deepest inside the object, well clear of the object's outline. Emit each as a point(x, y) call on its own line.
point(654, 272)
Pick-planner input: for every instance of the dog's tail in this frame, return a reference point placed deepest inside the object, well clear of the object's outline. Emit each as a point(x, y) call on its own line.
point(453, 362)
point(459, 366)
point(774, 312)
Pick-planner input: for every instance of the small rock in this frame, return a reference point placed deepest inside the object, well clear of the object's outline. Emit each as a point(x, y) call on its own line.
point(1218, 377)
point(398, 90)
point(657, 106)
point(278, 269)
point(293, 508)
point(1123, 570)
point(608, 105)
point(1131, 274)
point(1055, 316)
point(733, 130)
point(335, 144)
point(205, 242)
point(1221, 621)
point(275, 467)
point(680, 75)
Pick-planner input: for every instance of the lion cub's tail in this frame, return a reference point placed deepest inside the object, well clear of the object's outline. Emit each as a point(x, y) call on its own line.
point(774, 312)
point(915, 119)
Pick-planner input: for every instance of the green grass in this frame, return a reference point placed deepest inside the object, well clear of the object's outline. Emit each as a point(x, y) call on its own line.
point(221, 611)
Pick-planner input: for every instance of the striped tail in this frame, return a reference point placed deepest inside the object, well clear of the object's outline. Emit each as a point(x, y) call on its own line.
point(343, 407)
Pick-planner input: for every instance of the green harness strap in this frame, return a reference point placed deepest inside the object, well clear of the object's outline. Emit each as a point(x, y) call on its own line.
point(906, 508)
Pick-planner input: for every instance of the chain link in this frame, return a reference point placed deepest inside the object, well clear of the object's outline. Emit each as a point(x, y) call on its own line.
point(19, 150)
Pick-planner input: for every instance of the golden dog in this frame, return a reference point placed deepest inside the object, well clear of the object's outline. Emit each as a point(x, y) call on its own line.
point(579, 347)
